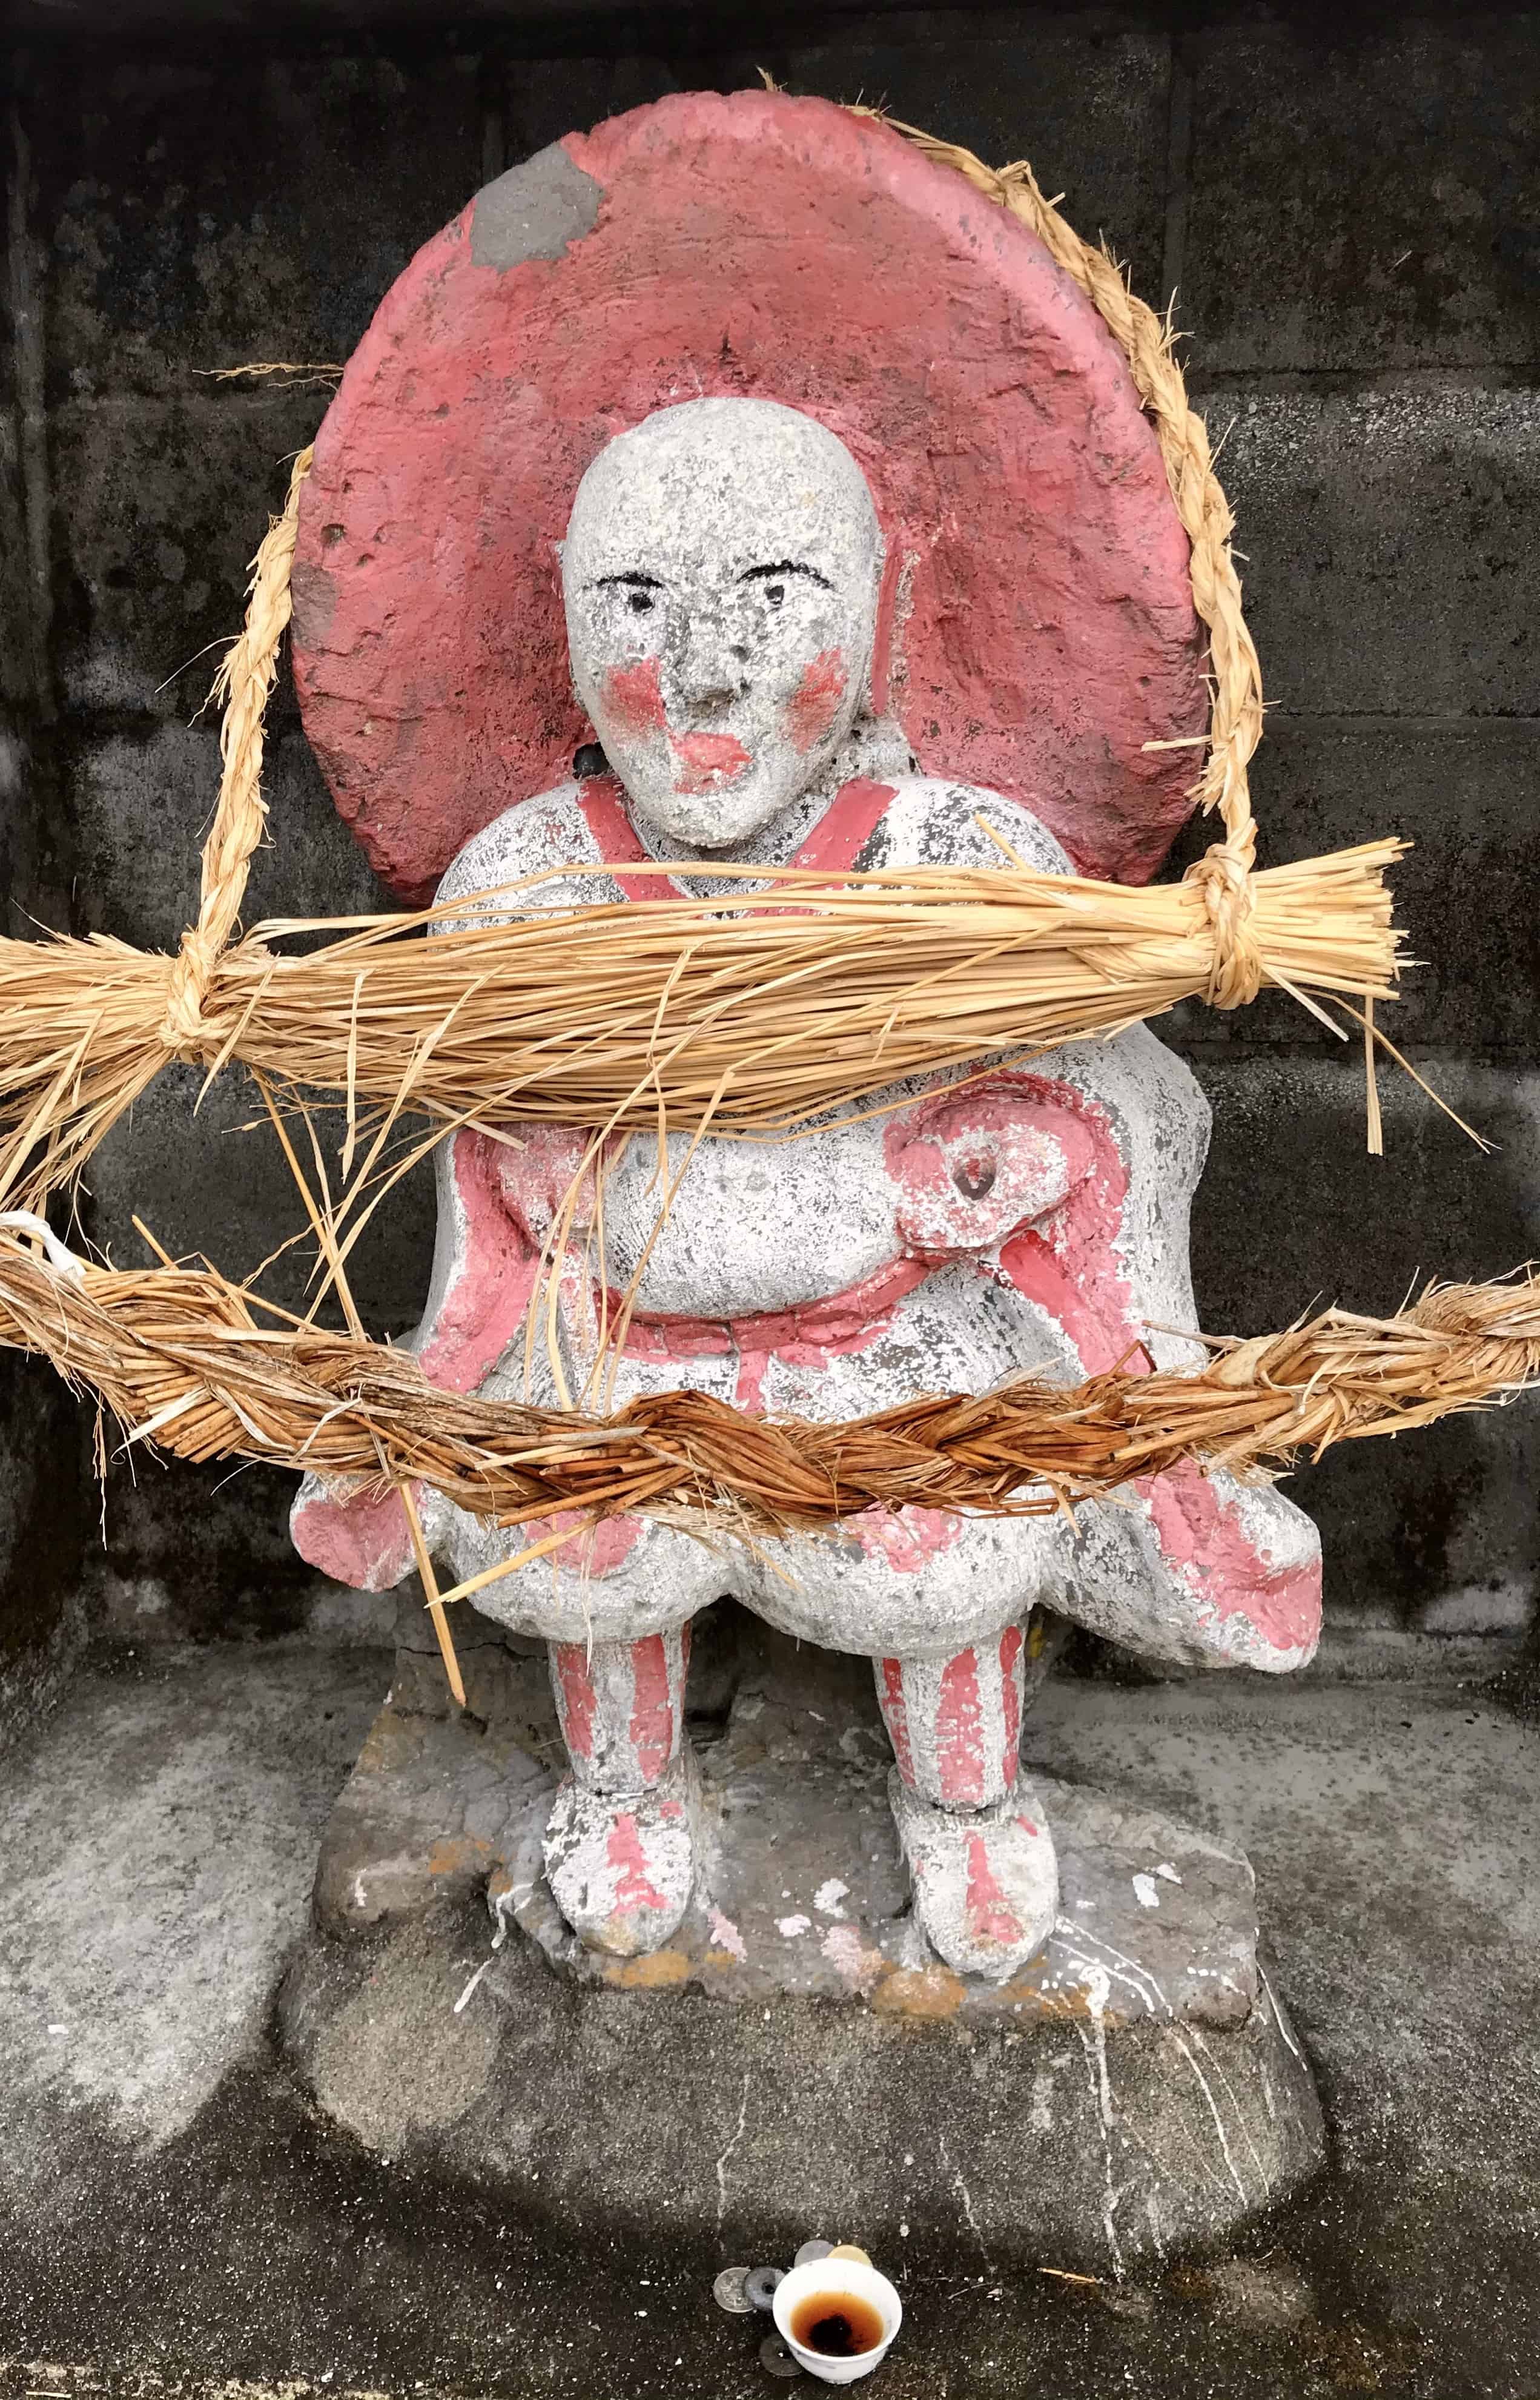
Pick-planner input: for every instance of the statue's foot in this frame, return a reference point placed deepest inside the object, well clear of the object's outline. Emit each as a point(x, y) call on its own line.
point(986, 1881)
point(621, 1865)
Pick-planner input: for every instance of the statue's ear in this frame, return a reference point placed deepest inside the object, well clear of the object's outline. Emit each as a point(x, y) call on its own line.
point(886, 631)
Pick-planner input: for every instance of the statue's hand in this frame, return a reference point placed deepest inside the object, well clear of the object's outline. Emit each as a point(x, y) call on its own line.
point(357, 1540)
point(970, 1166)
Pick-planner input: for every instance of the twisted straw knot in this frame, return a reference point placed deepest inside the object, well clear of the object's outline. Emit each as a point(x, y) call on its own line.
point(1224, 878)
point(181, 1028)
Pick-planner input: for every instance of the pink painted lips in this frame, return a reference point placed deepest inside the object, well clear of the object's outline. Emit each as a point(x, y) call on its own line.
point(708, 758)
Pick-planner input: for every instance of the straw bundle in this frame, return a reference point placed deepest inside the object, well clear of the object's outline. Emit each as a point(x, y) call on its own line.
point(744, 1016)
point(179, 1357)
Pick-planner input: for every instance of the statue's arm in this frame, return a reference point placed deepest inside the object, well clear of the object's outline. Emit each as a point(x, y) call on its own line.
point(1187, 1567)
point(1194, 1568)
point(483, 1273)
point(483, 1261)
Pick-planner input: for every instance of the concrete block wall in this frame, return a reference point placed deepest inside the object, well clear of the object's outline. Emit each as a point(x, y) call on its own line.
point(1344, 202)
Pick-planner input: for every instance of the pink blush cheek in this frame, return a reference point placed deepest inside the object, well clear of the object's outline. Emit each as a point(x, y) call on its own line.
point(633, 697)
point(816, 704)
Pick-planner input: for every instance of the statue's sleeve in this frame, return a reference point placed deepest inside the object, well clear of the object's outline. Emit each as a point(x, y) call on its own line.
point(483, 1273)
point(1195, 1568)
point(1200, 1570)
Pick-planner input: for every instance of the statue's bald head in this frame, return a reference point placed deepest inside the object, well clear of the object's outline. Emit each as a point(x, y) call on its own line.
point(721, 573)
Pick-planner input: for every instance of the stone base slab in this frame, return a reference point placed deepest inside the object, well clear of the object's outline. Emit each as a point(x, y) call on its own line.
point(795, 2059)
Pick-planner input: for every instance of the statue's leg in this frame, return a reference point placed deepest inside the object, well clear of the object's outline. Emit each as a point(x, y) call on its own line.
point(977, 1845)
point(620, 1849)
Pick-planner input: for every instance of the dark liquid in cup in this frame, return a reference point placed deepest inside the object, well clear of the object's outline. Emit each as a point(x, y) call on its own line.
point(837, 2325)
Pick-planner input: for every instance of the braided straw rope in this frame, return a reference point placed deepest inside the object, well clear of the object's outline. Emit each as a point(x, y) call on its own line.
point(179, 1357)
point(244, 682)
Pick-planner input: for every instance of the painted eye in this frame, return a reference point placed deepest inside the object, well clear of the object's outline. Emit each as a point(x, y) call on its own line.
point(774, 595)
point(640, 603)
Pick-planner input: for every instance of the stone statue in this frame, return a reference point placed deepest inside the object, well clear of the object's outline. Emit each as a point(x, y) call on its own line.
point(721, 574)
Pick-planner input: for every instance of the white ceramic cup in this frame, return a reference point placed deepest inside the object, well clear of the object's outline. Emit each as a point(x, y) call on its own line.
point(828, 2279)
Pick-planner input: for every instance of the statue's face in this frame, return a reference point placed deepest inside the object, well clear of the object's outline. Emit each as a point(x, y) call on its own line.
point(721, 574)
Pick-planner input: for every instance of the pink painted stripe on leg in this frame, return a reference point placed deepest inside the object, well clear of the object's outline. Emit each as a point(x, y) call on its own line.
point(623, 1851)
point(960, 1732)
point(654, 1727)
point(1010, 1697)
point(895, 1716)
point(991, 1915)
point(576, 1694)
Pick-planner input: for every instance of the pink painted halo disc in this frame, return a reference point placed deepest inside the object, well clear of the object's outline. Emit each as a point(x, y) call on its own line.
point(1038, 625)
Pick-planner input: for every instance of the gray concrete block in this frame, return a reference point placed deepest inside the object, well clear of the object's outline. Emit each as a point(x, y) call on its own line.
point(44, 1495)
point(1363, 193)
point(1465, 791)
point(215, 1183)
point(1291, 1206)
point(1436, 1530)
point(232, 204)
point(140, 803)
point(1086, 97)
point(18, 669)
point(545, 98)
point(1390, 544)
point(204, 1551)
point(159, 508)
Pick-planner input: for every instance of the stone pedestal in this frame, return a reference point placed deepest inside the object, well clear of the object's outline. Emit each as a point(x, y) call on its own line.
point(795, 2060)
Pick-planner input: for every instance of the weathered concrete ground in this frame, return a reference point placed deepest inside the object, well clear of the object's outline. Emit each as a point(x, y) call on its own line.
point(170, 2208)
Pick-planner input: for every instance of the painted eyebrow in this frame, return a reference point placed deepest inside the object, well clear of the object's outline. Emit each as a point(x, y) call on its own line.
point(651, 582)
point(785, 567)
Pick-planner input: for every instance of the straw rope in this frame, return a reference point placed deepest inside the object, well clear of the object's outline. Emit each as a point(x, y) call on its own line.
point(179, 1357)
point(244, 682)
point(752, 1012)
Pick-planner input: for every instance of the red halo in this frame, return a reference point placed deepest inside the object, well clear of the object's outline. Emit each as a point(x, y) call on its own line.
point(1037, 624)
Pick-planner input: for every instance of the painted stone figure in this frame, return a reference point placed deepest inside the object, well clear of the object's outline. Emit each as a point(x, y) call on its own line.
point(721, 575)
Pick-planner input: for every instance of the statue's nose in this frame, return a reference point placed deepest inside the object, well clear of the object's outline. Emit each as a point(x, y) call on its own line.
point(709, 667)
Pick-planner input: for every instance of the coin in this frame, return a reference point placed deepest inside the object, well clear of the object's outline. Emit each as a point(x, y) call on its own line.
point(812, 2250)
point(776, 2358)
point(729, 2293)
point(763, 2284)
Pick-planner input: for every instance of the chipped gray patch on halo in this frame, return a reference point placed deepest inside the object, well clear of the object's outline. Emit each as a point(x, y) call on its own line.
point(534, 212)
